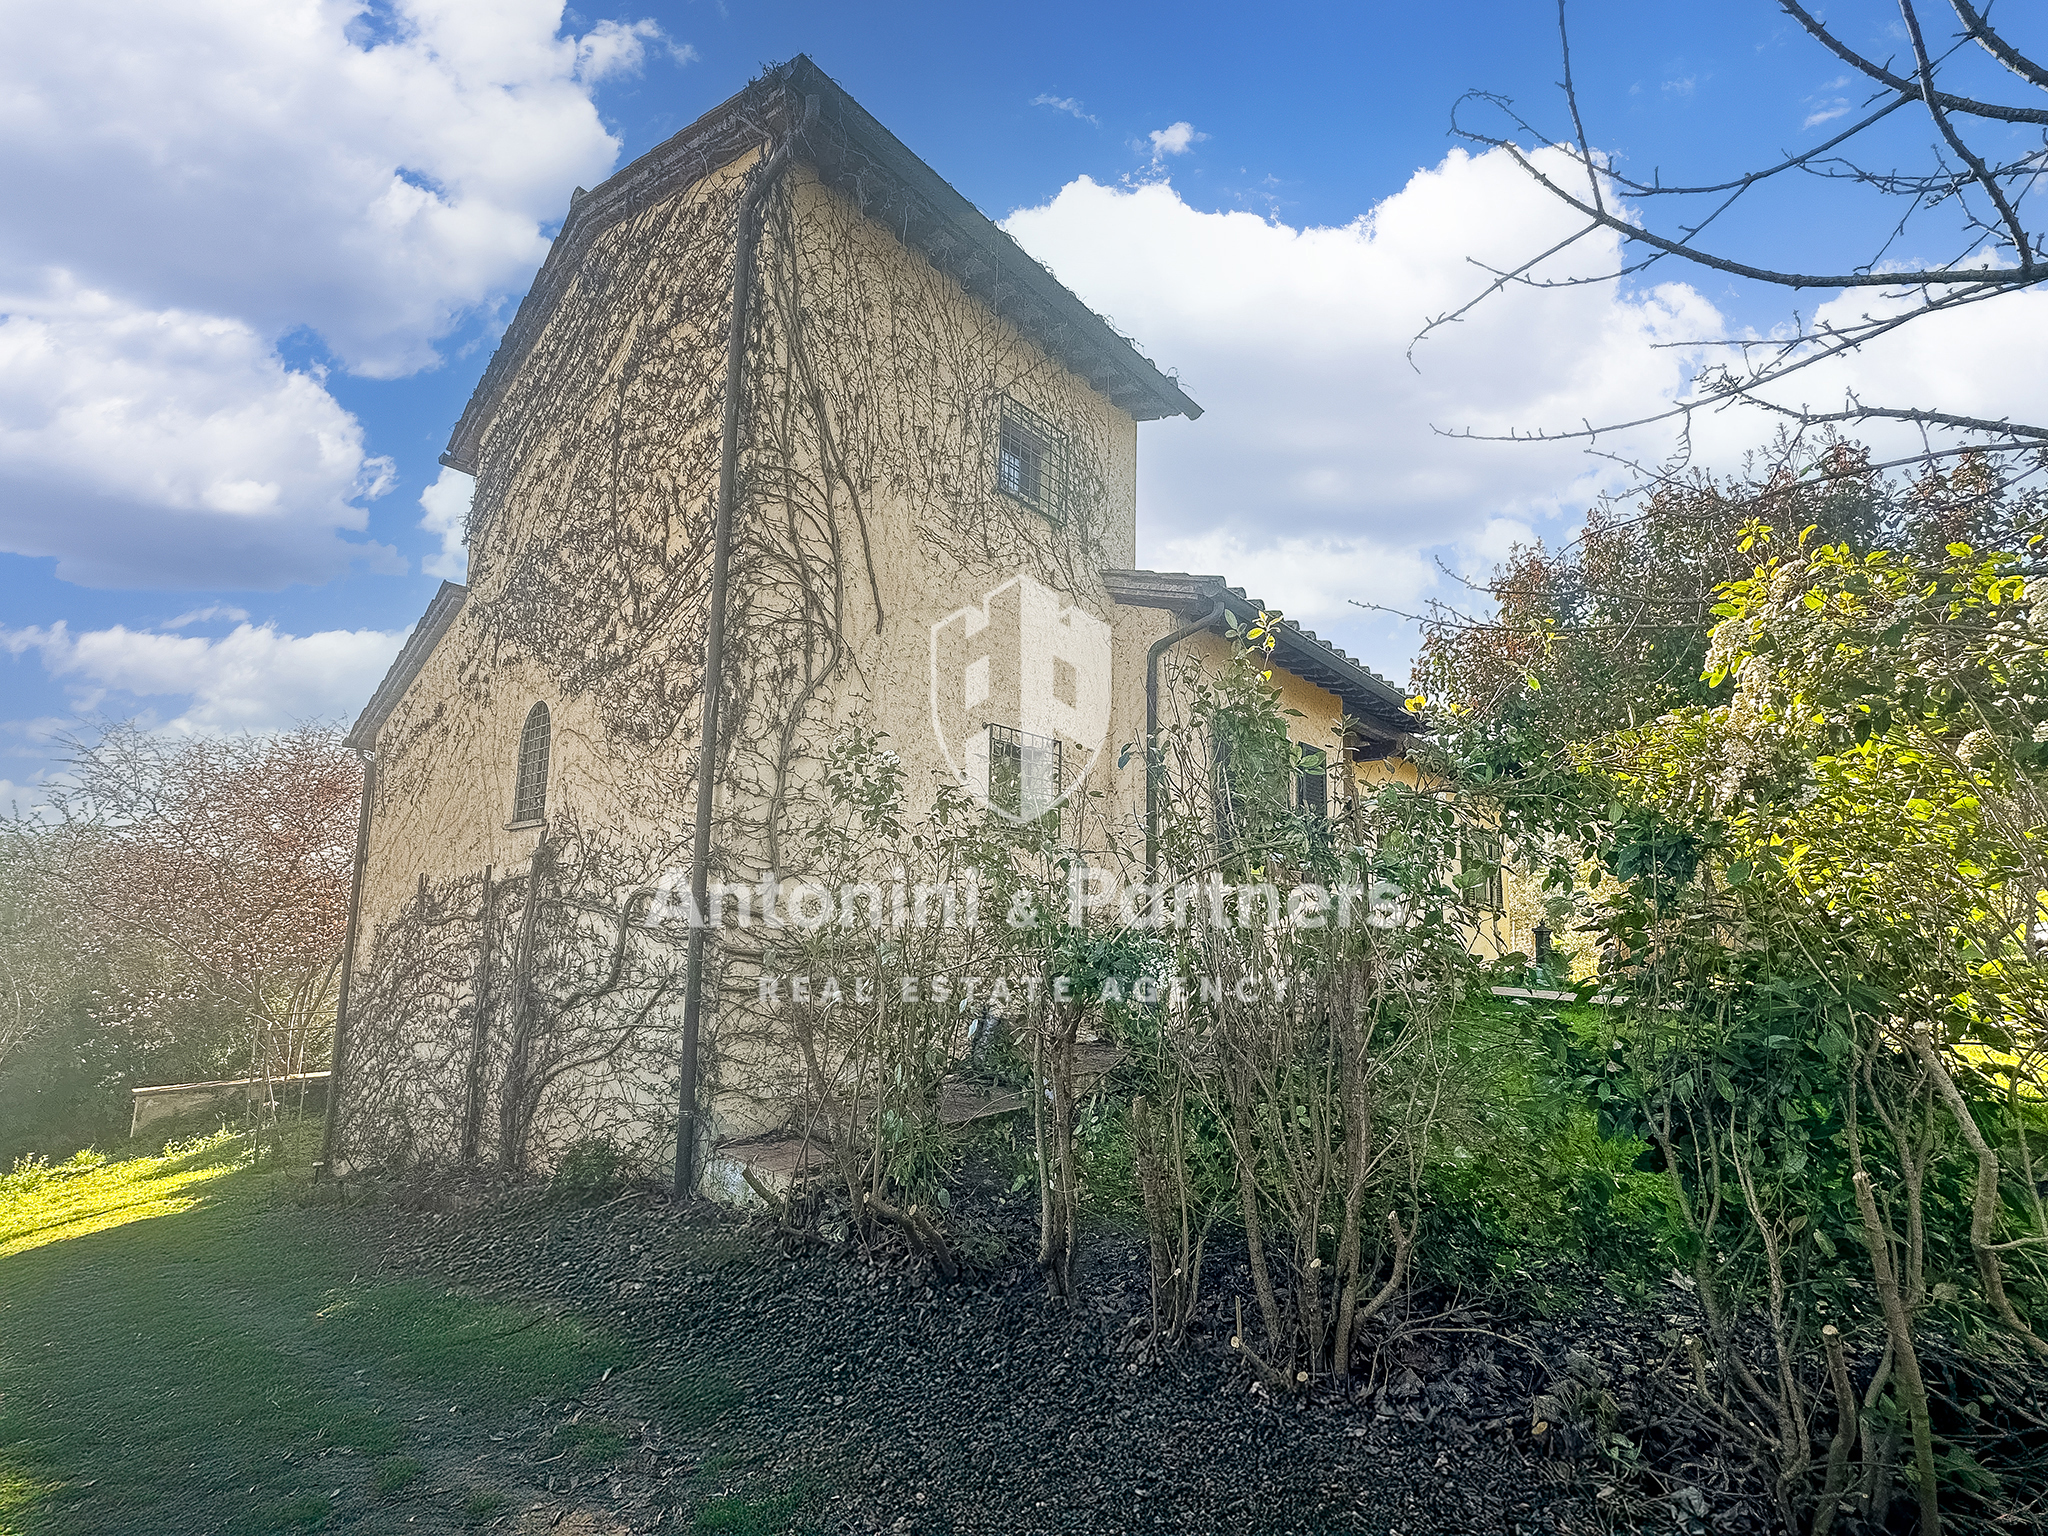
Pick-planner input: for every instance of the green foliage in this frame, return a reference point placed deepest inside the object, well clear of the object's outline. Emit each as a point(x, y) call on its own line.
point(866, 779)
point(1102, 1143)
point(1818, 868)
point(174, 917)
point(107, 1030)
point(1612, 629)
point(32, 1173)
point(592, 1169)
point(1526, 1173)
point(1651, 853)
point(1103, 966)
point(1882, 758)
point(1153, 1071)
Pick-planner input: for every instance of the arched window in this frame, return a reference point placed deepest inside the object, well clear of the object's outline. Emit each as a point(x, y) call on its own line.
point(530, 790)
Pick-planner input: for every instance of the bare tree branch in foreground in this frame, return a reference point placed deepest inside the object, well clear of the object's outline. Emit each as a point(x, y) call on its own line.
point(1967, 193)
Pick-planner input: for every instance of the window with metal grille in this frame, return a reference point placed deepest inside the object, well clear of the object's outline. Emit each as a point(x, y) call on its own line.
point(1480, 854)
point(530, 789)
point(1024, 772)
point(1312, 782)
point(1224, 798)
point(1031, 460)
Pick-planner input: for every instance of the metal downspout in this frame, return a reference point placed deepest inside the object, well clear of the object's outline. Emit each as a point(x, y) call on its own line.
point(746, 232)
point(1153, 762)
point(348, 963)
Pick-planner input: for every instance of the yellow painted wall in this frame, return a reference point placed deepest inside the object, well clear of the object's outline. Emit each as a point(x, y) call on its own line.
point(1137, 629)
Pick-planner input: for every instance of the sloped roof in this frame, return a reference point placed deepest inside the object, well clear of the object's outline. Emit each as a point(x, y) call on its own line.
point(857, 156)
point(1367, 696)
point(412, 656)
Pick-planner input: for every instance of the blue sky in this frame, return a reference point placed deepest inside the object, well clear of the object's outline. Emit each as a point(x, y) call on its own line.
point(265, 247)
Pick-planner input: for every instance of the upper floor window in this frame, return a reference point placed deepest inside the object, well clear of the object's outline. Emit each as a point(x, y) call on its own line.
point(1031, 460)
point(530, 788)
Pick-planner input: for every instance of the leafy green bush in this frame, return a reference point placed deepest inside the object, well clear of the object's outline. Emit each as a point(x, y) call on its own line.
point(590, 1170)
point(1522, 1175)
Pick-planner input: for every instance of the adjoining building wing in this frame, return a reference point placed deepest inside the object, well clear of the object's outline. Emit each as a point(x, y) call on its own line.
point(1374, 709)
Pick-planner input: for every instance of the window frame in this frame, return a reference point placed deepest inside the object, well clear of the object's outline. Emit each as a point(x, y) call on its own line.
point(531, 767)
point(1027, 751)
point(1013, 419)
point(1304, 776)
point(1484, 849)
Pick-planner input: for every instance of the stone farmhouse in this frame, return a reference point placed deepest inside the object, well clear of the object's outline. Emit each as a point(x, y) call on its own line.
point(788, 441)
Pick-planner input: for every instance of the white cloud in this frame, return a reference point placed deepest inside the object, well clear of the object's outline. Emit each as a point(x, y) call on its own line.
point(370, 174)
point(1979, 360)
point(163, 448)
point(23, 800)
point(252, 678)
point(188, 181)
point(447, 505)
point(34, 734)
point(618, 48)
point(1176, 139)
point(1496, 541)
point(1826, 105)
point(1318, 464)
point(1065, 104)
point(1311, 580)
point(202, 615)
point(31, 742)
point(1319, 473)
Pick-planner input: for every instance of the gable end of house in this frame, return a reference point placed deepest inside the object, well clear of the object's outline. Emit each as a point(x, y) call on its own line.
point(412, 656)
point(854, 155)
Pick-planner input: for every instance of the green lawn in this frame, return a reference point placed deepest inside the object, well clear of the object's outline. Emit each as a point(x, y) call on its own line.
point(182, 1349)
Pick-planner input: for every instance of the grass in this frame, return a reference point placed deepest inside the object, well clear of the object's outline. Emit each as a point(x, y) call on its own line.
point(482, 1505)
point(488, 1355)
point(398, 1474)
point(596, 1443)
point(186, 1345)
point(748, 1517)
point(41, 1203)
point(183, 1348)
point(1527, 1190)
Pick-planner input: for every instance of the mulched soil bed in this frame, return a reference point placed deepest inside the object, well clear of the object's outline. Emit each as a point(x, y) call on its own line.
point(829, 1392)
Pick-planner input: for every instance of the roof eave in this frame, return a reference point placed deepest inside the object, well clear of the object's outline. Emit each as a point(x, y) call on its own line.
point(406, 666)
point(1369, 699)
point(853, 152)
